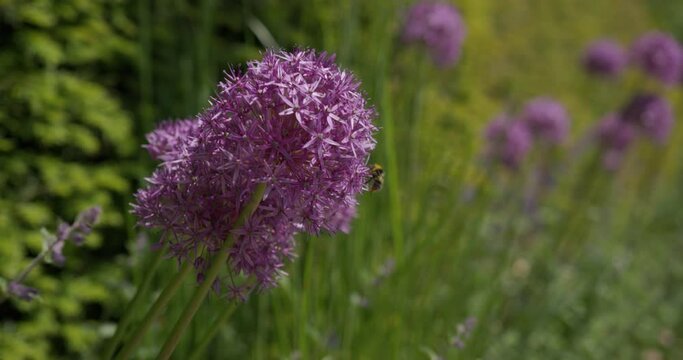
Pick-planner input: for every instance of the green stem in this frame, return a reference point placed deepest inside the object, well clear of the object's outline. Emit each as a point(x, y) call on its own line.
point(153, 312)
point(133, 305)
point(224, 315)
point(218, 262)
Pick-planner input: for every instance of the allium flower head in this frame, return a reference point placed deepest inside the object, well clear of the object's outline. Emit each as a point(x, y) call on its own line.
point(294, 121)
point(508, 141)
point(660, 56)
point(165, 142)
point(604, 58)
point(652, 114)
point(615, 137)
point(439, 27)
point(547, 119)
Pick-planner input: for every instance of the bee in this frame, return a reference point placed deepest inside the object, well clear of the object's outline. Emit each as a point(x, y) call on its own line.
point(376, 178)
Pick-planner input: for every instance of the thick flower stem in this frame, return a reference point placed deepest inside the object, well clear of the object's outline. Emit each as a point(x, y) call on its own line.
point(203, 289)
point(166, 295)
point(133, 305)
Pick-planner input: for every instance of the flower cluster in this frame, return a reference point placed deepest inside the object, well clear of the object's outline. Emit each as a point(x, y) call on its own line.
point(508, 141)
point(604, 58)
point(659, 55)
point(547, 120)
point(651, 114)
point(542, 120)
point(294, 121)
point(655, 53)
point(439, 27)
point(645, 114)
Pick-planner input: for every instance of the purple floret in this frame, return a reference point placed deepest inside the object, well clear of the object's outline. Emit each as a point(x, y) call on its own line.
point(651, 114)
point(165, 142)
point(294, 121)
point(659, 55)
point(508, 141)
point(439, 27)
point(547, 120)
point(604, 58)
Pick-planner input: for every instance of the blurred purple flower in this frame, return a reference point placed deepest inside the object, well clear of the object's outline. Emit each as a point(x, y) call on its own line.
point(659, 55)
point(21, 291)
point(615, 137)
point(547, 119)
point(604, 58)
point(439, 27)
point(294, 121)
point(508, 141)
point(165, 142)
point(651, 114)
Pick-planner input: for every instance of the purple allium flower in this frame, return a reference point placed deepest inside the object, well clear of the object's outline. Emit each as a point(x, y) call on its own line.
point(615, 137)
point(439, 27)
point(164, 143)
point(652, 114)
point(341, 220)
point(547, 119)
point(21, 291)
point(659, 55)
point(508, 141)
point(294, 121)
point(604, 58)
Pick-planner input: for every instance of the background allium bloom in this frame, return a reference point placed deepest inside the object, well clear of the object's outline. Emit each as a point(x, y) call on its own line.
point(615, 137)
point(165, 142)
point(294, 121)
point(652, 114)
point(439, 27)
point(547, 119)
point(659, 55)
point(508, 141)
point(604, 58)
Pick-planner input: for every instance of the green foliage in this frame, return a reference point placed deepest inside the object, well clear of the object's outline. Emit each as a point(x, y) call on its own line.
point(64, 140)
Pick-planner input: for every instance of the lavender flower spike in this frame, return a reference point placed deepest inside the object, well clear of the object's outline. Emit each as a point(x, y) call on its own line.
point(21, 291)
point(660, 56)
point(652, 114)
point(293, 121)
point(604, 58)
point(439, 27)
point(508, 141)
point(547, 120)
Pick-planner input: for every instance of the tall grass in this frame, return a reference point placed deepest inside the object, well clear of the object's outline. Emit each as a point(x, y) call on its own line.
point(595, 278)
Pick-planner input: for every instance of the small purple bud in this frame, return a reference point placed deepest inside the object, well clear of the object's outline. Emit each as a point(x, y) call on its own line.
point(57, 253)
point(63, 230)
point(84, 223)
point(21, 291)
